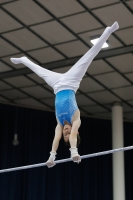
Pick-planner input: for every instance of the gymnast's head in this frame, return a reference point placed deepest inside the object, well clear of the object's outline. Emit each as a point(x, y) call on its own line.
point(66, 134)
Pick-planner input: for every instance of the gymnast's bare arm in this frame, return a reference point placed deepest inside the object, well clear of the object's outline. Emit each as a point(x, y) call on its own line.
point(74, 131)
point(57, 137)
point(73, 137)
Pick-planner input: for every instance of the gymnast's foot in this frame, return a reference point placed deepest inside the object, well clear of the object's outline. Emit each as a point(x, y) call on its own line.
point(114, 27)
point(17, 60)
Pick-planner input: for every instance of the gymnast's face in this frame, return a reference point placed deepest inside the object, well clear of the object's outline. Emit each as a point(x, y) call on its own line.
point(66, 132)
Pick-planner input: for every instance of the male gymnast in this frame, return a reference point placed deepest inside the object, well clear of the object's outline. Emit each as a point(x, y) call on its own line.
point(65, 87)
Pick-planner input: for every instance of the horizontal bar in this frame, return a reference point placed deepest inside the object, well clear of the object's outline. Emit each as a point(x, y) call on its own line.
point(68, 159)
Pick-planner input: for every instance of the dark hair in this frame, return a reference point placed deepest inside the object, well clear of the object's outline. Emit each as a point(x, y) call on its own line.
point(78, 141)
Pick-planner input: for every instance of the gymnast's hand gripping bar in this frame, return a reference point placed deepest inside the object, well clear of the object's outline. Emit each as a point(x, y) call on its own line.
point(68, 159)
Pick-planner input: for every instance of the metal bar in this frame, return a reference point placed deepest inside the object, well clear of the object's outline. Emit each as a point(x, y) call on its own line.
point(68, 159)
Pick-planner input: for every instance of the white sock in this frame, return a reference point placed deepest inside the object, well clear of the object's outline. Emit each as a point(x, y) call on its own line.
point(17, 60)
point(114, 27)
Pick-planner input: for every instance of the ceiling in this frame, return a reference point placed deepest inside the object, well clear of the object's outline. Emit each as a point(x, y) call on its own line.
point(55, 34)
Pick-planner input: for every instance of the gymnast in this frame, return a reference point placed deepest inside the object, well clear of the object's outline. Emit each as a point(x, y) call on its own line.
point(65, 86)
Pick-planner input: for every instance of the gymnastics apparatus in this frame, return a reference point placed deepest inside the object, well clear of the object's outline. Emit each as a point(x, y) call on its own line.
point(67, 160)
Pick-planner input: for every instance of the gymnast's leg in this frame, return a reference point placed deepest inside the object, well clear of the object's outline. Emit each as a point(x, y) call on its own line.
point(76, 73)
point(80, 68)
point(50, 77)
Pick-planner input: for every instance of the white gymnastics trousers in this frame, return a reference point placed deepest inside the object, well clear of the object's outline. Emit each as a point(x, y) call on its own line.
point(72, 78)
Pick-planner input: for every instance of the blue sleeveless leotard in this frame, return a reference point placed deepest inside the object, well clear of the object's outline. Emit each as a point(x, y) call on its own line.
point(65, 106)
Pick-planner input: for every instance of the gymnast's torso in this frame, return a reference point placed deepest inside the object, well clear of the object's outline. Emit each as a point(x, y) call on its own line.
point(65, 106)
